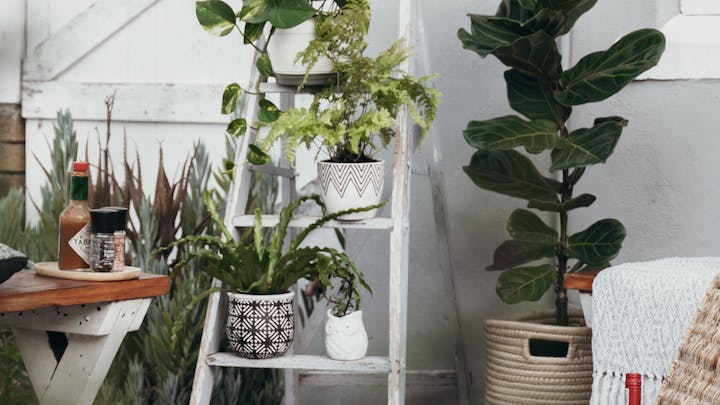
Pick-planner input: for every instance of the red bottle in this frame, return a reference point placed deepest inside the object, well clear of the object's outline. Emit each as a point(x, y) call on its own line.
point(633, 382)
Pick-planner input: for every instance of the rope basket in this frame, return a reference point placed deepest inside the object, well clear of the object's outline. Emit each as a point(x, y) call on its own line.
point(694, 377)
point(515, 376)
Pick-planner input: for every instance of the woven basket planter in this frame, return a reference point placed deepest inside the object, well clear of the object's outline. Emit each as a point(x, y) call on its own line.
point(515, 376)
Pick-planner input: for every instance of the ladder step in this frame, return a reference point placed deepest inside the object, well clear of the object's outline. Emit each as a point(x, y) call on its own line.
point(273, 170)
point(422, 378)
point(305, 221)
point(367, 365)
point(278, 88)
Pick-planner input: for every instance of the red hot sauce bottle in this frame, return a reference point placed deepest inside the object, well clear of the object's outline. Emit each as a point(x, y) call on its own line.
point(74, 238)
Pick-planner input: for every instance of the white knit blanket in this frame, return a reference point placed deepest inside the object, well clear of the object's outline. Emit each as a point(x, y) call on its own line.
point(640, 315)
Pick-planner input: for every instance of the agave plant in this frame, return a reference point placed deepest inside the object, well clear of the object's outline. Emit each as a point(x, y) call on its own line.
point(261, 268)
point(522, 35)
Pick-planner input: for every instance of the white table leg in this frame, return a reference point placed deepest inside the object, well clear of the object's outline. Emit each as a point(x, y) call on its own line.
point(95, 332)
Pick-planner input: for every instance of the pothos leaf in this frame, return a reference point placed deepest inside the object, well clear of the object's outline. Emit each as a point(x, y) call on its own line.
point(237, 127)
point(230, 97)
point(264, 65)
point(215, 16)
point(256, 156)
point(252, 32)
point(268, 112)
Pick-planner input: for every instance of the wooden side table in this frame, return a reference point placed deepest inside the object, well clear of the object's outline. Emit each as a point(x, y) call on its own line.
point(68, 331)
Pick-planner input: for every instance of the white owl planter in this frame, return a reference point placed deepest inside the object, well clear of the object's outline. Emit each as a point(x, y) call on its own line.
point(345, 337)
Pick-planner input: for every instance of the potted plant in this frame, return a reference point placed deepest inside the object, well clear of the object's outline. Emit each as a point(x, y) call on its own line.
point(522, 35)
point(354, 119)
point(345, 335)
point(292, 28)
point(258, 277)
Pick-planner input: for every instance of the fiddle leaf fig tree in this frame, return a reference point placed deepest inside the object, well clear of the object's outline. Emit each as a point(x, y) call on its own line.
point(523, 35)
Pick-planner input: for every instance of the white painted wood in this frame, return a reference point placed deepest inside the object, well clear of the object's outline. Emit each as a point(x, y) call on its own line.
point(370, 364)
point(12, 35)
point(692, 49)
point(273, 170)
point(399, 248)
point(77, 377)
point(213, 330)
point(92, 320)
point(418, 378)
point(80, 36)
point(700, 7)
point(303, 221)
point(192, 103)
point(272, 87)
point(437, 184)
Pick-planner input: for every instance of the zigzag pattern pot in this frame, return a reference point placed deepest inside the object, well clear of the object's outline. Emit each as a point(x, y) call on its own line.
point(352, 185)
point(260, 326)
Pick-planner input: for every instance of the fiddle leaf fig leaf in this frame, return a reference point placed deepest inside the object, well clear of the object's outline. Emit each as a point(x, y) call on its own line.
point(583, 200)
point(550, 21)
point(598, 244)
point(215, 16)
point(525, 283)
point(509, 172)
point(252, 31)
point(230, 97)
point(535, 55)
point(589, 146)
point(280, 13)
point(268, 112)
point(526, 226)
point(256, 155)
point(599, 75)
point(264, 65)
point(513, 253)
point(514, 10)
point(511, 131)
point(489, 33)
point(237, 127)
point(572, 9)
point(533, 97)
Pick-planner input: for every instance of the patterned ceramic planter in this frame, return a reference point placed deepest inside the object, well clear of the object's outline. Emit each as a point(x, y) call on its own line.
point(260, 326)
point(345, 337)
point(352, 185)
point(284, 47)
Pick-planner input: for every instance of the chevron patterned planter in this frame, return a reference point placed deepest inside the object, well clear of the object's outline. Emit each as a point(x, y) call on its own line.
point(352, 185)
point(260, 326)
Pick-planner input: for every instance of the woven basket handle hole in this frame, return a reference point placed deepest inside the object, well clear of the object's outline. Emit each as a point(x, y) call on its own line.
point(548, 348)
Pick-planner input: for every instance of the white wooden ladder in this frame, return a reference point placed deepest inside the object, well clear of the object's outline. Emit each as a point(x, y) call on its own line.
point(316, 368)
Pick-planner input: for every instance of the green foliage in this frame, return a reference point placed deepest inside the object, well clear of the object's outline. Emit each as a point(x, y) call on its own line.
point(263, 267)
point(522, 35)
point(355, 117)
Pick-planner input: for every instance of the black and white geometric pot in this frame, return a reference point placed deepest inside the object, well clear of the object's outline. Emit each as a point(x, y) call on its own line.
point(352, 185)
point(260, 326)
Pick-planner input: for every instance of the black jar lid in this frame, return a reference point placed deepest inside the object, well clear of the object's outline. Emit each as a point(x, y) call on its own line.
point(103, 220)
point(120, 217)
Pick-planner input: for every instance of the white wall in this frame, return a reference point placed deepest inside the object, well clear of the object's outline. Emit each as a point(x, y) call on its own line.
point(660, 183)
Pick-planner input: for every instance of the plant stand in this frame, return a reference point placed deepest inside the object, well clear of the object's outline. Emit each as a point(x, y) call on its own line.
point(318, 369)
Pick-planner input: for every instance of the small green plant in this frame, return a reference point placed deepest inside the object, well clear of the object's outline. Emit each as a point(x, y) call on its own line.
point(263, 268)
point(522, 35)
point(354, 118)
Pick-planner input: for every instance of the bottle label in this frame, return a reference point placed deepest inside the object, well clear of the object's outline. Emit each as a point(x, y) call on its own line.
point(80, 243)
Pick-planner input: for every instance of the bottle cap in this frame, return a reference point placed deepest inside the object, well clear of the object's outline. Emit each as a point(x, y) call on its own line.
point(80, 166)
point(633, 380)
point(120, 217)
point(102, 220)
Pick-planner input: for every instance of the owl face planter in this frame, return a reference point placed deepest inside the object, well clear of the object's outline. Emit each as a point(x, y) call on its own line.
point(345, 337)
point(260, 326)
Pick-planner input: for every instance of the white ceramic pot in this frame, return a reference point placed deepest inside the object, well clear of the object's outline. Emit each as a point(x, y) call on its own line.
point(260, 326)
point(352, 185)
point(345, 337)
point(284, 46)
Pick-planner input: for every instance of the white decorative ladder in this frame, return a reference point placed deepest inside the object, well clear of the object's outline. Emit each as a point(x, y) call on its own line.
point(319, 369)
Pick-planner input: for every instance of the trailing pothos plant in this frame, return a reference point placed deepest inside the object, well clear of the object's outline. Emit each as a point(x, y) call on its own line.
point(522, 35)
point(355, 117)
point(264, 268)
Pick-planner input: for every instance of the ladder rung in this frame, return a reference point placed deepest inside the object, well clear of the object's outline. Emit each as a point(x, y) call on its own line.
point(372, 364)
point(273, 87)
point(305, 221)
point(422, 378)
point(273, 170)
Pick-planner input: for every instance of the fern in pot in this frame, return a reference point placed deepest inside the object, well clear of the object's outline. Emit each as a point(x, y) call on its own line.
point(522, 35)
point(259, 276)
point(354, 119)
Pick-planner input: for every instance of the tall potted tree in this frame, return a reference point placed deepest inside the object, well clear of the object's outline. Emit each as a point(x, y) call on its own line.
point(522, 35)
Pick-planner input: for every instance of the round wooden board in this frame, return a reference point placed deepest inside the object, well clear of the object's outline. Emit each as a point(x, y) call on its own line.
point(50, 269)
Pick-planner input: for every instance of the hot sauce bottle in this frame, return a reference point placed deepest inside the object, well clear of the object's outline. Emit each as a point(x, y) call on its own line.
point(74, 239)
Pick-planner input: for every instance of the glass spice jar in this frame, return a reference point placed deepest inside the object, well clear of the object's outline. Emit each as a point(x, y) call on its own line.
point(102, 240)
